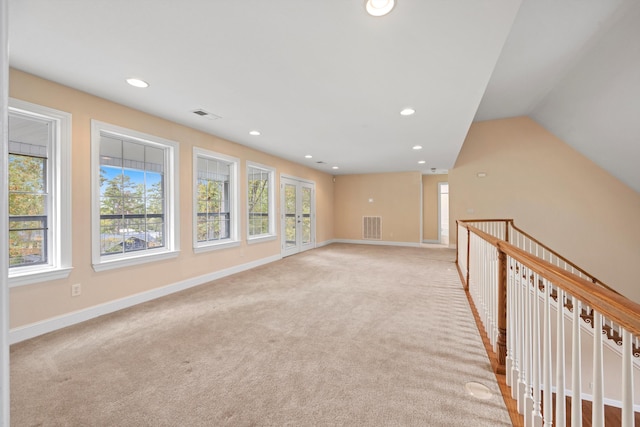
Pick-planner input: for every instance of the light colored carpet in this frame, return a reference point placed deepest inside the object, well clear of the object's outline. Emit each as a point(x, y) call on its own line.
point(351, 335)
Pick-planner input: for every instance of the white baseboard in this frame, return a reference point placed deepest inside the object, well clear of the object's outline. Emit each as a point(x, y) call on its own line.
point(378, 242)
point(325, 243)
point(32, 330)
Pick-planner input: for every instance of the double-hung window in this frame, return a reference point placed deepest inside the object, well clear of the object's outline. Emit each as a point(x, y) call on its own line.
point(39, 193)
point(260, 203)
point(215, 200)
point(135, 200)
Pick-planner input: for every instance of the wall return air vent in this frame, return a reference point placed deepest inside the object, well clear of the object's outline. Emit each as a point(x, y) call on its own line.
point(372, 227)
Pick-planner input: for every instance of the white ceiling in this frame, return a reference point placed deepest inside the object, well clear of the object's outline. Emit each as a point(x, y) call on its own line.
point(323, 78)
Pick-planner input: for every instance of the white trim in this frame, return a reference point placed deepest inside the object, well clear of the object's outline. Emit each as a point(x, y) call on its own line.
point(377, 242)
point(325, 243)
point(59, 263)
point(214, 246)
point(32, 330)
point(137, 260)
point(262, 238)
point(585, 396)
point(41, 275)
point(295, 178)
point(171, 191)
point(5, 401)
point(272, 234)
point(234, 207)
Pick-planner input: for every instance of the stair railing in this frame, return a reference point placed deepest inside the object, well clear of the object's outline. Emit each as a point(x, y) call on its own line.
point(529, 302)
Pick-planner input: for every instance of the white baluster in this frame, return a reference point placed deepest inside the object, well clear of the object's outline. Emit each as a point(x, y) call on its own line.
point(527, 357)
point(517, 354)
point(510, 334)
point(561, 404)
point(576, 367)
point(522, 384)
point(597, 417)
point(627, 380)
point(536, 415)
point(494, 279)
point(547, 399)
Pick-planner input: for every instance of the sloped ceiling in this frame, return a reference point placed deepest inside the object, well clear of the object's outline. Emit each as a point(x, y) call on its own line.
point(325, 79)
point(579, 77)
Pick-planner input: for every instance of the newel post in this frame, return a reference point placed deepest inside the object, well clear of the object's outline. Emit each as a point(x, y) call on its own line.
point(466, 285)
point(501, 354)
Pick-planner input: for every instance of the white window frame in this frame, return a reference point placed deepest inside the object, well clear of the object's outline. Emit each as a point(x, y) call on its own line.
point(59, 262)
point(234, 217)
point(171, 248)
point(271, 234)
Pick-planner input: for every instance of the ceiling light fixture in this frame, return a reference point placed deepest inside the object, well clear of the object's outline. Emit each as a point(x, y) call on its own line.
point(308, 156)
point(379, 7)
point(417, 147)
point(254, 133)
point(137, 82)
point(335, 167)
point(422, 162)
point(407, 112)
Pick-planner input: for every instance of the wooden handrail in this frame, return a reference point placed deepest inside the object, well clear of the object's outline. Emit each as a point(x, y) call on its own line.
point(539, 243)
point(463, 221)
point(492, 240)
point(607, 302)
point(565, 260)
point(612, 305)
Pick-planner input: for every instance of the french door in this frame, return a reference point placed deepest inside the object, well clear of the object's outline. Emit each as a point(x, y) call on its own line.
point(297, 215)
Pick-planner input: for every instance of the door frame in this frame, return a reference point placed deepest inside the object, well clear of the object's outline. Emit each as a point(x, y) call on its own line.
point(299, 182)
point(440, 185)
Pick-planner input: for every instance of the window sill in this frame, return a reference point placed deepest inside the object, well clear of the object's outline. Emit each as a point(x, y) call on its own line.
point(216, 246)
point(261, 238)
point(40, 275)
point(131, 261)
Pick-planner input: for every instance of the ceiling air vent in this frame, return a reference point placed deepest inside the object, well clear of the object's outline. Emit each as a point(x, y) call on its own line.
point(207, 115)
point(321, 162)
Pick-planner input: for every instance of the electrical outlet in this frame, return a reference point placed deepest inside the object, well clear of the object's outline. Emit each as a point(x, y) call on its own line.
point(76, 290)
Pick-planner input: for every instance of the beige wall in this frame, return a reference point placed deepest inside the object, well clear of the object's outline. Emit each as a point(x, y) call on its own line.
point(552, 192)
point(36, 302)
point(430, 225)
point(396, 198)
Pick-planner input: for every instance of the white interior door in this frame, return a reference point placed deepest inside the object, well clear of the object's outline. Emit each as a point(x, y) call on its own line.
point(297, 215)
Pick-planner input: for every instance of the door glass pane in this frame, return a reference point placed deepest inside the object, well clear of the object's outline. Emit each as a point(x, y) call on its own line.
point(306, 215)
point(290, 215)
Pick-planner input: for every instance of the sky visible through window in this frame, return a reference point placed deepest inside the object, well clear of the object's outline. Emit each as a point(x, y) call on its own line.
point(136, 176)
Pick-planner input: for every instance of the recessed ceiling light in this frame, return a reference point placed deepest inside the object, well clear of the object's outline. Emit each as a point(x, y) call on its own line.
point(422, 162)
point(379, 7)
point(407, 111)
point(308, 156)
point(335, 167)
point(254, 133)
point(137, 82)
point(417, 147)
